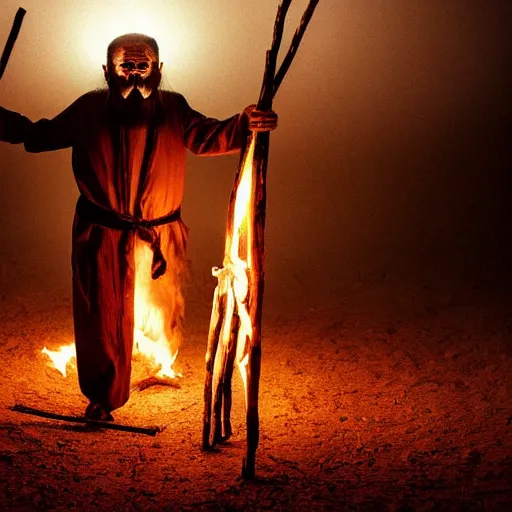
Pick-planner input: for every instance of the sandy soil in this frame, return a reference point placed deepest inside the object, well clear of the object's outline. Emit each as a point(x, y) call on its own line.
point(386, 397)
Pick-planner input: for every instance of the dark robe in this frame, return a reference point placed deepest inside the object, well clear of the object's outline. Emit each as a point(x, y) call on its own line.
point(135, 168)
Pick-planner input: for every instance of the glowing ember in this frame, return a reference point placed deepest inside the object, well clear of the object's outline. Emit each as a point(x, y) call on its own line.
point(150, 338)
point(61, 357)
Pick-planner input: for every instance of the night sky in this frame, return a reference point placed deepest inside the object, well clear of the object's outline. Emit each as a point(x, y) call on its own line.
point(392, 152)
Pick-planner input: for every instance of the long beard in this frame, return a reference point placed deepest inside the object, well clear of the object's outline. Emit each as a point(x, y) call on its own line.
point(127, 104)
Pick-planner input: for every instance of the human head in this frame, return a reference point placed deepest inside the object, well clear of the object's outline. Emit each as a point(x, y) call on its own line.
point(133, 65)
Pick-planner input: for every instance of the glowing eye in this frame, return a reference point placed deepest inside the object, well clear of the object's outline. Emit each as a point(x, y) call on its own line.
point(130, 66)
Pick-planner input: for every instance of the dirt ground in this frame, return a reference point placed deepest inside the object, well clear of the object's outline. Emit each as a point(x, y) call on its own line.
point(386, 396)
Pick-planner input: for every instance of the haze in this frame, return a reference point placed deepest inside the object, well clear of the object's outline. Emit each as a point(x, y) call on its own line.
point(392, 150)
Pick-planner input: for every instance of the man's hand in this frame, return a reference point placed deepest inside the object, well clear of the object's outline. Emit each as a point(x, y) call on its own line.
point(259, 120)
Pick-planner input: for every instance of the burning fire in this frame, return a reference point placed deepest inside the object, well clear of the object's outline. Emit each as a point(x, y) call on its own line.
point(61, 357)
point(149, 335)
point(231, 326)
point(233, 277)
point(150, 338)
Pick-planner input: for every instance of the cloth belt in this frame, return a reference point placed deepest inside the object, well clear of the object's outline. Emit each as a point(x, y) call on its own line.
point(144, 228)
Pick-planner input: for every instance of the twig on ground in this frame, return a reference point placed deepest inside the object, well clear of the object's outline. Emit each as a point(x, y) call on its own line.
point(149, 431)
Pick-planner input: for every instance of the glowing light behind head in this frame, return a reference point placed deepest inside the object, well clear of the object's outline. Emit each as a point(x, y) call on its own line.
point(103, 24)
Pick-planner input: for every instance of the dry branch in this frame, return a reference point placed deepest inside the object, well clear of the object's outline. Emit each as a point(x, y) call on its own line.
point(227, 344)
point(221, 359)
point(149, 431)
point(257, 282)
point(219, 306)
point(228, 376)
point(13, 35)
point(297, 38)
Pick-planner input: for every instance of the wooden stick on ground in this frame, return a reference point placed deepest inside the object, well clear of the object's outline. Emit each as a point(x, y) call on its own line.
point(13, 35)
point(149, 431)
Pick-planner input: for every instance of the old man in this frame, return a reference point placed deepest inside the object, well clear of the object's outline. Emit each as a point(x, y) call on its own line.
point(129, 142)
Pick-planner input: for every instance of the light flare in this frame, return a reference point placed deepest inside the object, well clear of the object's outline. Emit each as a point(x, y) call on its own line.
point(171, 34)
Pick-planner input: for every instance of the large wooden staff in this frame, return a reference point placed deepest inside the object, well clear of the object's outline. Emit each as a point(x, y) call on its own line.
point(229, 305)
point(13, 35)
point(268, 90)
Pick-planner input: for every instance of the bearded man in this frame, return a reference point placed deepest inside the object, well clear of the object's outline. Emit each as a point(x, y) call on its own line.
point(129, 143)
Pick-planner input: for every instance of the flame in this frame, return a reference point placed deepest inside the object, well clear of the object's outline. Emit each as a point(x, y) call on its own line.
point(61, 357)
point(233, 277)
point(150, 338)
point(149, 334)
point(243, 210)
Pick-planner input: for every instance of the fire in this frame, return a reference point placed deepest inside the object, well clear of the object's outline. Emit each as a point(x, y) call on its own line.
point(149, 334)
point(237, 262)
point(231, 326)
point(61, 357)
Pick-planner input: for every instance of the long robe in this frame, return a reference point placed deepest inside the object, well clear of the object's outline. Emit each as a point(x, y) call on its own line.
point(112, 171)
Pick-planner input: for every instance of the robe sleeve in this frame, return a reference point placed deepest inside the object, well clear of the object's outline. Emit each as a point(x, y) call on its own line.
point(208, 136)
point(43, 135)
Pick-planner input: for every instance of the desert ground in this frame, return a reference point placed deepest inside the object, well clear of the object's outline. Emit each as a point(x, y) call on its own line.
point(386, 379)
point(391, 392)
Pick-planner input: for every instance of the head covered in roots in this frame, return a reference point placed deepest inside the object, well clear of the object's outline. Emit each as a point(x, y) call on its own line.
point(133, 69)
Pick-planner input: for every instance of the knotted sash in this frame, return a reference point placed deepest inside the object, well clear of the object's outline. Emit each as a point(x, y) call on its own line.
point(144, 228)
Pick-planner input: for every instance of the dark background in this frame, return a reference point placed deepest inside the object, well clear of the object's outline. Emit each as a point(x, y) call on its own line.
point(392, 155)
